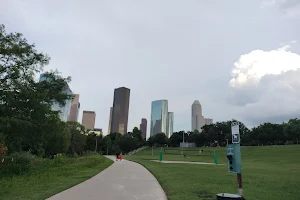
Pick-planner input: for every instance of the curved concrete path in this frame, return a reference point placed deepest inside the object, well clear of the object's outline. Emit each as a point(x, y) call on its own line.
point(123, 180)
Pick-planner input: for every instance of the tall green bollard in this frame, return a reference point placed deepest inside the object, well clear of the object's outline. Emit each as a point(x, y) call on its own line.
point(215, 158)
point(160, 155)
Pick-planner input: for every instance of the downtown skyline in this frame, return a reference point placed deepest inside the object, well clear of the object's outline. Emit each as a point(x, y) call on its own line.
point(161, 119)
point(175, 55)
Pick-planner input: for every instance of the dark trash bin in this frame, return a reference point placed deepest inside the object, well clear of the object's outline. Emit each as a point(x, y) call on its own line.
point(226, 196)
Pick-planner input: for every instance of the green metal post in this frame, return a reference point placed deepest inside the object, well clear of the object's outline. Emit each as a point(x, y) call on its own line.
point(160, 155)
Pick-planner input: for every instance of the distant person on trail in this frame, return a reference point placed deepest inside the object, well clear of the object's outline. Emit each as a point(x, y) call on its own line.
point(117, 156)
point(121, 156)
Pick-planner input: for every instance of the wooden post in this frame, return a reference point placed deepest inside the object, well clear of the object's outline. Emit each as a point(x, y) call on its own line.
point(239, 182)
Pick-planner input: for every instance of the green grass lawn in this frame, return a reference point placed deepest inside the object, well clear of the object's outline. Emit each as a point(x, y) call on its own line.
point(44, 181)
point(269, 173)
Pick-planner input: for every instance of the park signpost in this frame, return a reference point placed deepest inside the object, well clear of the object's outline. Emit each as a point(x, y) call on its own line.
point(233, 154)
point(160, 155)
point(236, 139)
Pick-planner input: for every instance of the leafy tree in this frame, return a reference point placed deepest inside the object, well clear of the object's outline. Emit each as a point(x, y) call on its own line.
point(137, 136)
point(57, 137)
point(94, 141)
point(175, 139)
point(107, 147)
point(78, 138)
point(292, 130)
point(25, 105)
point(160, 139)
point(151, 141)
point(127, 143)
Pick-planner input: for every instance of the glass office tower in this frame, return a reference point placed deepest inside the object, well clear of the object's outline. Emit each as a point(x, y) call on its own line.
point(170, 124)
point(64, 111)
point(159, 117)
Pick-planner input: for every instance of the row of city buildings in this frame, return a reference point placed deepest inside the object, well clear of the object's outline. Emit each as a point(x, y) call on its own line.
point(162, 121)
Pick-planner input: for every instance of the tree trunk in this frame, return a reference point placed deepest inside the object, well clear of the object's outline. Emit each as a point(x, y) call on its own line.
point(96, 145)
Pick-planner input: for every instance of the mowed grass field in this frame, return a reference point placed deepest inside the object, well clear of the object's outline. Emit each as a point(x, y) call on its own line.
point(49, 179)
point(268, 173)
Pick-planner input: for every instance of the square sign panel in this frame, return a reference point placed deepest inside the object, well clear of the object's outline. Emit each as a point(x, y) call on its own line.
point(235, 131)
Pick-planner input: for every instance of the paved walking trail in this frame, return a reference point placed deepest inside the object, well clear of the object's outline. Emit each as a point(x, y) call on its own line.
point(123, 180)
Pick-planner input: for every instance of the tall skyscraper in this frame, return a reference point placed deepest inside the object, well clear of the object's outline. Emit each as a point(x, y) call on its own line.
point(88, 119)
point(159, 116)
point(170, 124)
point(109, 123)
point(198, 119)
point(75, 106)
point(143, 128)
point(65, 110)
point(119, 119)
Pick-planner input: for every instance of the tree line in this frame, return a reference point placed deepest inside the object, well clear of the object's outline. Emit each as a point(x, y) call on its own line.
point(219, 134)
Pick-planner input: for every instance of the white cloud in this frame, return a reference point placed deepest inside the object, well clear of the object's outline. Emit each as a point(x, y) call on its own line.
point(289, 8)
point(250, 68)
point(266, 86)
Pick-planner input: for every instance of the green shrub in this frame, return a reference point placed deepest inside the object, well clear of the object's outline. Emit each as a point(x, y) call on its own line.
point(17, 164)
point(60, 159)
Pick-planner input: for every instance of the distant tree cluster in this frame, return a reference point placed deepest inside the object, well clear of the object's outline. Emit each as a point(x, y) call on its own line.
point(218, 134)
point(116, 142)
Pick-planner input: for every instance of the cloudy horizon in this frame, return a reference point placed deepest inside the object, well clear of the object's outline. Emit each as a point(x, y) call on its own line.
point(241, 60)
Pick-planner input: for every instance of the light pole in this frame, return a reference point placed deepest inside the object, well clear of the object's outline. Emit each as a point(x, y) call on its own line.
point(152, 150)
point(96, 144)
point(182, 142)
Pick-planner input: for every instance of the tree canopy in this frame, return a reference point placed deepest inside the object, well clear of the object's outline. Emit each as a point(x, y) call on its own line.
point(27, 122)
point(219, 133)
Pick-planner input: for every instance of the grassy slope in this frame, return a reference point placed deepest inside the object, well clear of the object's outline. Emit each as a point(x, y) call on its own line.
point(269, 173)
point(41, 183)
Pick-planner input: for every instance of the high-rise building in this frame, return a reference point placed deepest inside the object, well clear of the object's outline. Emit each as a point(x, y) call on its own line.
point(159, 116)
point(170, 124)
point(143, 128)
point(75, 106)
point(88, 119)
point(198, 119)
point(64, 111)
point(119, 119)
point(109, 123)
point(208, 121)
